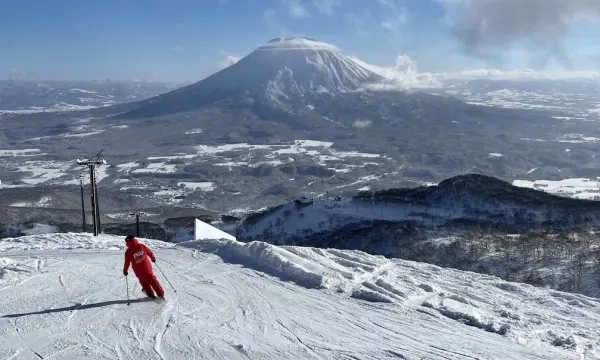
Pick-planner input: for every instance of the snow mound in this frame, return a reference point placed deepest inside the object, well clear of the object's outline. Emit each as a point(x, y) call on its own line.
point(271, 259)
point(10, 268)
point(521, 312)
point(467, 314)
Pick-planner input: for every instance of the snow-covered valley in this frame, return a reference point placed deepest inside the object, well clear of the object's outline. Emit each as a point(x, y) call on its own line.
point(64, 297)
point(30, 97)
point(322, 128)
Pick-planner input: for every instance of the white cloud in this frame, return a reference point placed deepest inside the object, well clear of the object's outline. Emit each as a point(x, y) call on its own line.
point(296, 9)
point(228, 59)
point(404, 75)
point(488, 29)
point(298, 43)
point(326, 7)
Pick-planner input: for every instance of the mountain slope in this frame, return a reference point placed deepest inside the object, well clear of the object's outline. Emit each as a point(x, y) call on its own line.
point(469, 222)
point(282, 71)
point(65, 297)
point(403, 216)
point(22, 97)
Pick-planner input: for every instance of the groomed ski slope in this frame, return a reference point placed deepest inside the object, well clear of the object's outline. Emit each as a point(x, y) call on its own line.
point(63, 296)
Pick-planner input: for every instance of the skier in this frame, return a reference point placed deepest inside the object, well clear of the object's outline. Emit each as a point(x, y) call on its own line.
point(137, 255)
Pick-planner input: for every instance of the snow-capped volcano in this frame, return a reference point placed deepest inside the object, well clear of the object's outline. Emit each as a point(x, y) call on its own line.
point(302, 64)
point(285, 67)
point(284, 70)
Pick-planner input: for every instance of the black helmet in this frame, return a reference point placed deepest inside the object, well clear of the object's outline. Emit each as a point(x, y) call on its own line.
point(129, 238)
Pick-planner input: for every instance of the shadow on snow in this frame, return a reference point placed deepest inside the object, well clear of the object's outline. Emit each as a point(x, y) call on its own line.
point(80, 307)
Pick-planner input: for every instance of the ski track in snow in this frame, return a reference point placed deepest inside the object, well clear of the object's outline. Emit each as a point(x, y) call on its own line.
point(258, 301)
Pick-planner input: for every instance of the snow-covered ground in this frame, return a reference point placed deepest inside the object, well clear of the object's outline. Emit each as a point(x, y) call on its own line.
point(101, 174)
point(155, 168)
point(43, 171)
point(576, 100)
point(580, 188)
point(579, 102)
point(60, 107)
point(64, 297)
point(49, 172)
point(319, 151)
point(44, 201)
point(127, 166)
point(81, 131)
point(20, 152)
point(203, 186)
point(194, 131)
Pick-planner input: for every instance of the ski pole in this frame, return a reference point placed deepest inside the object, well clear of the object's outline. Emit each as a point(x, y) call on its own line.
point(127, 283)
point(163, 274)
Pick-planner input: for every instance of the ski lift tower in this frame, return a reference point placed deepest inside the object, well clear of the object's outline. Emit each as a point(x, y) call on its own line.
point(91, 165)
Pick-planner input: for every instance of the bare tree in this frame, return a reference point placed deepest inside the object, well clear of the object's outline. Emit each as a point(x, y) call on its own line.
point(579, 268)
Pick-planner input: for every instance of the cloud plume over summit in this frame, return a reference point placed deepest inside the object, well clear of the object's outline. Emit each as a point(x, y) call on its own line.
point(405, 75)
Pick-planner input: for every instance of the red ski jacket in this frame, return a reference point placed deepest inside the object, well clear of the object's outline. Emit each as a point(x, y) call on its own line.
point(137, 255)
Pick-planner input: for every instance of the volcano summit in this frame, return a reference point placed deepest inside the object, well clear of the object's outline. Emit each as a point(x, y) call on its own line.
point(282, 72)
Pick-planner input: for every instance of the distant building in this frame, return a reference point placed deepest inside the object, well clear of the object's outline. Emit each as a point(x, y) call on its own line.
point(303, 201)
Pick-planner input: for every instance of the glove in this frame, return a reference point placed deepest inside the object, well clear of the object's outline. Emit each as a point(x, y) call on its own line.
point(125, 273)
point(153, 260)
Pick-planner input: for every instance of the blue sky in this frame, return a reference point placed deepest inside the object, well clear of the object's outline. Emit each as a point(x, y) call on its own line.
point(186, 40)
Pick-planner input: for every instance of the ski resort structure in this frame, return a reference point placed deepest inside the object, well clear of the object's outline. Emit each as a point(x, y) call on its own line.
point(204, 231)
